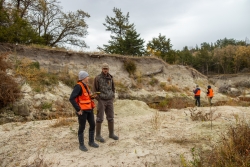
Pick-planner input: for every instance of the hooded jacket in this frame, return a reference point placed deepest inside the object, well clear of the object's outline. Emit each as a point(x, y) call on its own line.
point(104, 84)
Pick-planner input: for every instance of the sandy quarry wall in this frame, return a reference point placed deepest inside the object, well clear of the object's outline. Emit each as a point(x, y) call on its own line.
point(56, 61)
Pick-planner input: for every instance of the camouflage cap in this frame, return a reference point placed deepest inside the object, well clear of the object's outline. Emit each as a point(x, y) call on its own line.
point(105, 65)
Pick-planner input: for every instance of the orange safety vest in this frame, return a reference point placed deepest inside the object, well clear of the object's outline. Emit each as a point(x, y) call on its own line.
point(198, 93)
point(84, 101)
point(211, 93)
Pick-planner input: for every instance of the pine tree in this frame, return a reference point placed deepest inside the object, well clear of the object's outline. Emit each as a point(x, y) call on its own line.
point(124, 38)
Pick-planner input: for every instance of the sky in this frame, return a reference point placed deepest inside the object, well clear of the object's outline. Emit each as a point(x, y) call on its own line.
point(184, 22)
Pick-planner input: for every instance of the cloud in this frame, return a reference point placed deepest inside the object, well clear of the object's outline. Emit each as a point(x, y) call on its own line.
point(186, 23)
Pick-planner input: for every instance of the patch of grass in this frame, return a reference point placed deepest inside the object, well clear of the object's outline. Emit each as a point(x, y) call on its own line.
point(69, 80)
point(120, 87)
point(36, 77)
point(34, 65)
point(153, 81)
point(46, 105)
point(171, 88)
point(162, 85)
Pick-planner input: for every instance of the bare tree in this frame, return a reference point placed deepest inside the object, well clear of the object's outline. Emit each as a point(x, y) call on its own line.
point(58, 28)
point(51, 23)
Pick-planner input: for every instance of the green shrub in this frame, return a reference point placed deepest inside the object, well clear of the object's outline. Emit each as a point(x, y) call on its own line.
point(46, 105)
point(153, 81)
point(130, 66)
point(162, 85)
point(34, 65)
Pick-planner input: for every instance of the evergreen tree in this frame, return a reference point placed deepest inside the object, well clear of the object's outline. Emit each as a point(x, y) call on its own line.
point(15, 29)
point(124, 38)
point(185, 57)
point(162, 48)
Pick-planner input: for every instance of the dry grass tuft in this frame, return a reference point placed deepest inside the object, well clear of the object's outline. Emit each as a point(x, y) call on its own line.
point(63, 122)
point(171, 88)
point(197, 115)
point(156, 120)
point(120, 87)
point(233, 150)
point(153, 81)
point(9, 89)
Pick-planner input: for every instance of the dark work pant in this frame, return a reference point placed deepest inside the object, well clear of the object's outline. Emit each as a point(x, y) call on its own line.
point(107, 107)
point(86, 115)
point(210, 100)
point(197, 101)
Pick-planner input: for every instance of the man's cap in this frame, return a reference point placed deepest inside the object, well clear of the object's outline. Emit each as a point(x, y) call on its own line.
point(105, 65)
point(82, 75)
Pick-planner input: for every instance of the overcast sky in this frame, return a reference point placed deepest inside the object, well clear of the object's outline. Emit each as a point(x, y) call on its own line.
point(185, 22)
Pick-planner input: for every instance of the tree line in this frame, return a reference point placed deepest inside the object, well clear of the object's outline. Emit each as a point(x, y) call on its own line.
point(43, 22)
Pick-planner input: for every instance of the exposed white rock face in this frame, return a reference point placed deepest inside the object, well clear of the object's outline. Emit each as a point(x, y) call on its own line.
point(234, 90)
point(26, 88)
point(39, 96)
point(62, 90)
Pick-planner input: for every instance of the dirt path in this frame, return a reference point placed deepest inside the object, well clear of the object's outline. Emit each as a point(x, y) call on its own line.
point(33, 143)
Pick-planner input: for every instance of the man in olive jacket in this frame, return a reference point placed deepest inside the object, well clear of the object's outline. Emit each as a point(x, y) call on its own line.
point(104, 84)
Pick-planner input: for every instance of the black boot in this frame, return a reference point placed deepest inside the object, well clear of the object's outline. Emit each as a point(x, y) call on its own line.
point(98, 136)
point(91, 139)
point(111, 131)
point(81, 143)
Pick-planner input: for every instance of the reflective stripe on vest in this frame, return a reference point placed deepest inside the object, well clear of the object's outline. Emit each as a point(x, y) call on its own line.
point(84, 101)
point(211, 93)
point(198, 93)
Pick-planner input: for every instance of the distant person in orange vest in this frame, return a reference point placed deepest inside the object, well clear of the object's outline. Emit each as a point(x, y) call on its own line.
point(81, 99)
point(197, 93)
point(210, 94)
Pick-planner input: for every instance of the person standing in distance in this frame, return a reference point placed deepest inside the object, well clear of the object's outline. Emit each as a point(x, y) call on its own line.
point(104, 84)
point(197, 93)
point(210, 94)
point(81, 100)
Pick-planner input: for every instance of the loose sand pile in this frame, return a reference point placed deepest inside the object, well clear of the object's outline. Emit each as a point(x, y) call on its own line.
point(140, 144)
